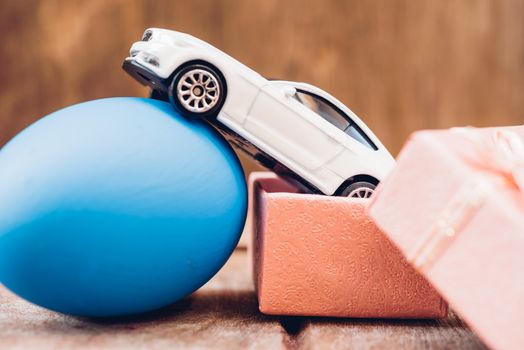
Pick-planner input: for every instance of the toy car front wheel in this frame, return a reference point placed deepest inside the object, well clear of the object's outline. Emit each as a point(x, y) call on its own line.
point(359, 189)
point(197, 90)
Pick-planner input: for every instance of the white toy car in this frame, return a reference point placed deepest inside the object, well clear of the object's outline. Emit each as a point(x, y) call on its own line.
point(295, 129)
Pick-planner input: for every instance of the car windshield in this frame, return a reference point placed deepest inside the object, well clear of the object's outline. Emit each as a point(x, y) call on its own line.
point(333, 115)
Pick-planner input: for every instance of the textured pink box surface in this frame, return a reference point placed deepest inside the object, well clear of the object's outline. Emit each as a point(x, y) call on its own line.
point(323, 256)
point(453, 206)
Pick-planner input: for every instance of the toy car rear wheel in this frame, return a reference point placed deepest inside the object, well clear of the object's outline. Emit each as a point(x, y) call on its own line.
point(359, 189)
point(198, 90)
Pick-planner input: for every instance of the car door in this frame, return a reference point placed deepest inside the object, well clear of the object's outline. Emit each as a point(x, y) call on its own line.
point(292, 128)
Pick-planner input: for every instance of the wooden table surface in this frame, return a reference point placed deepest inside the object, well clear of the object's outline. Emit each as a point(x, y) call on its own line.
point(223, 315)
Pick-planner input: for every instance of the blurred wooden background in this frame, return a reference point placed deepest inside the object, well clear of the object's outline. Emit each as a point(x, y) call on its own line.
point(400, 65)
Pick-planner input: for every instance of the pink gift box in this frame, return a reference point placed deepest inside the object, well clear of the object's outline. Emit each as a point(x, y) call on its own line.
point(454, 205)
point(323, 256)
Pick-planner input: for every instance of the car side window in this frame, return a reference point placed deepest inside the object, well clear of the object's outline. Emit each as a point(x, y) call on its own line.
point(333, 115)
point(322, 108)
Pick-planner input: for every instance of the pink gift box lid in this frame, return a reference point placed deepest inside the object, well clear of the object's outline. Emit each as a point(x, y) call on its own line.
point(460, 221)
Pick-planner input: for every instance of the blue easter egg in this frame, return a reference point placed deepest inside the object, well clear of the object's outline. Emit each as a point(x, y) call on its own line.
point(116, 206)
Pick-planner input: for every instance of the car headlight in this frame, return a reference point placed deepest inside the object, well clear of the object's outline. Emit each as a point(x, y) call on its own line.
point(148, 35)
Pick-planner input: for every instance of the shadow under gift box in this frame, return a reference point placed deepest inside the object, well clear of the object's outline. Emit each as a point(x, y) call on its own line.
point(317, 255)
point(454, 207)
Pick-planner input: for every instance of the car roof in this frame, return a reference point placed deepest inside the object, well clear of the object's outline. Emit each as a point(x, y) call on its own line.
point(327, 96)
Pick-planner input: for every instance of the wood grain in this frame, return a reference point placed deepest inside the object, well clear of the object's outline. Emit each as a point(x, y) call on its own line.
point(401, 65)
point(221, 315)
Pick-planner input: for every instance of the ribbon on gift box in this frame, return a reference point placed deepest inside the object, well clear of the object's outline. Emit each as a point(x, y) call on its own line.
point(501, 153)
point(501, 156)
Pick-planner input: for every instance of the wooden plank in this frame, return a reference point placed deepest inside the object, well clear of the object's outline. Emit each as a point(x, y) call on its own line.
point(387, 334)
point(221, 315)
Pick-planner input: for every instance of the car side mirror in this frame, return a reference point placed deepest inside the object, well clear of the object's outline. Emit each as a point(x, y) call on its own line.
point(289, 91)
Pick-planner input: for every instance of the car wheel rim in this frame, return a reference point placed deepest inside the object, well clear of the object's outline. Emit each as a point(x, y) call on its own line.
point(361, 192)
point(198, 91)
